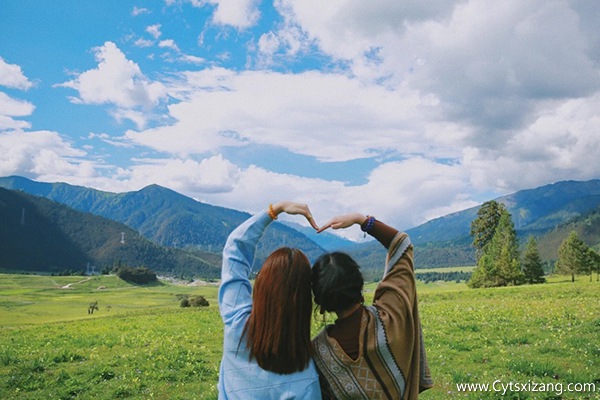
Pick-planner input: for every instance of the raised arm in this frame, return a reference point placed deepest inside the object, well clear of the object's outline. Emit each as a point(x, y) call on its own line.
point(379, 230)
point(235, 291)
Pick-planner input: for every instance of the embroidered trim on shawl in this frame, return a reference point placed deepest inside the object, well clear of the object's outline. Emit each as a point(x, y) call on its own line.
point(385, 354)
point(339, 375)
point(397, 251)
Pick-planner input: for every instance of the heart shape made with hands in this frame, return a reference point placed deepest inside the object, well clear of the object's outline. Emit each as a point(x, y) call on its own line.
point(337, 222)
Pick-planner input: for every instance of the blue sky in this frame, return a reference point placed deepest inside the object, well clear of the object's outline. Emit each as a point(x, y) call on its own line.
point(402, 109)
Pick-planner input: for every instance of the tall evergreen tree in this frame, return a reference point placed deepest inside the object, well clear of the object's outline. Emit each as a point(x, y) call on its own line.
point(499, 261)
point(533, 269)
point(484, 226)
point(591, 262)
point(571, 256)
point(506, 251)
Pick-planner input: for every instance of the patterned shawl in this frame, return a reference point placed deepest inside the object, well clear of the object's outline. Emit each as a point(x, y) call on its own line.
point(392, 363)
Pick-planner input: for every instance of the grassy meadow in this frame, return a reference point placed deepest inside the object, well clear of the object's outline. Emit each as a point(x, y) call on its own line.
point(141, 344)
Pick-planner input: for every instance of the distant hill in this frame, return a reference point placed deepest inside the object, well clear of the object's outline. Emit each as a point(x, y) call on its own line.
point(533, 211)
point(587, 227)
point(446, 241)
point(167, 217)
point(174, 220)
point(40, 235)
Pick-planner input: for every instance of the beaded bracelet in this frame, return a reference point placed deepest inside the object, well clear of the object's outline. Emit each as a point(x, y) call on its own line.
point(272, 213)
point(368, 224)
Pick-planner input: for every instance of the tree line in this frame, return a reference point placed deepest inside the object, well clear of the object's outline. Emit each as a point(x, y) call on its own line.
point(500, 263)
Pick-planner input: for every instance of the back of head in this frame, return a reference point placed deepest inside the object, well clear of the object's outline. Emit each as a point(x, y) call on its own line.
point(278, 330)
point(336, 282)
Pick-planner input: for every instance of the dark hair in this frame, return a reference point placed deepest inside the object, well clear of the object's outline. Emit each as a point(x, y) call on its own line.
point(336, 282)
point(278, 329)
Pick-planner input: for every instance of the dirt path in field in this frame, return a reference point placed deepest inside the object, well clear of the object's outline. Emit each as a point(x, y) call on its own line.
point(74, 283)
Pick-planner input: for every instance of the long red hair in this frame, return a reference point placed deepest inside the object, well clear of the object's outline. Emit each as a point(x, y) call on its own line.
point(278, 329)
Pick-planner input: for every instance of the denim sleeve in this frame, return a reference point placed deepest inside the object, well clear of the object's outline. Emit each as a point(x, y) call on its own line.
point(235, 291)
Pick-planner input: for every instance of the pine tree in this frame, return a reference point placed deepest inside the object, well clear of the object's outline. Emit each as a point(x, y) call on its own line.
point(506, 248)
point(484, 226)
point(498, 263)
point(533, 269)
point(591, 262)
point(571, 256)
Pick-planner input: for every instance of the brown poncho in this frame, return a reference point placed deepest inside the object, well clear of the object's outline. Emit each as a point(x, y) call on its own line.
point(391, 362)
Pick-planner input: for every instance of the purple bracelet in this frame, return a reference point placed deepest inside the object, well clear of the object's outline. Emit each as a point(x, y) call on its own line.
point(368, 224)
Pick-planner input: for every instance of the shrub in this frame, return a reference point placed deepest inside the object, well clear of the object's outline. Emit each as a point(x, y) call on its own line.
point(198, 301)
point(194, 301)
point(140, 275)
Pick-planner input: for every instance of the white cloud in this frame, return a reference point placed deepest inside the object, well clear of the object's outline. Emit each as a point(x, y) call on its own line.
point(169, 44)
point(187, 58)
point(120, 82)
point(193, 178)
point(563, 143)
point(154, 30)
point(451, 99)
point(280, 46)
point(403, 194)
point(490, 64)
point(139, 11)
point(412, 191)
point(240, 14)
point(43, 155)
point(12, 76)
point(13, 107)
point(9, 108)
point(143, 43)
point(327, 116)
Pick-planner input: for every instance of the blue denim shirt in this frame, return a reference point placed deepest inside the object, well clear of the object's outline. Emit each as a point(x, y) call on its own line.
point(240, 378)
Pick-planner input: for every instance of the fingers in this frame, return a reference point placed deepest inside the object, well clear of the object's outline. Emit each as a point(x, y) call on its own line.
point(324, 227)
point(333, 224)
point(338, 222)
point(293, 208)
point(310, 219)
point(312, 223)
point(342, 221)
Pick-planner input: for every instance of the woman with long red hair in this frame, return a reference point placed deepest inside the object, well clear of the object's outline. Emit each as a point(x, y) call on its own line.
point(266, 348)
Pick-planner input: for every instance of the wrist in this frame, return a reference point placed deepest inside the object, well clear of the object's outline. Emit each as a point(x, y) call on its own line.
point(274, 210)
point(359, 218)
point(367, 224)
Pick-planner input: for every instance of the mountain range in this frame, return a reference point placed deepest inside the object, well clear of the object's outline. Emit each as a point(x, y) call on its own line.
point(40, 235)
point(177, 224)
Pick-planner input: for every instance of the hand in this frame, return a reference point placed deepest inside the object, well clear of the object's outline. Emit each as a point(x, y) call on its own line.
point(292, 208)
point(343, 221)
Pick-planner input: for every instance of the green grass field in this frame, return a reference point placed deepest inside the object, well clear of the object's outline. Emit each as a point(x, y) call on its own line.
point(141, 345)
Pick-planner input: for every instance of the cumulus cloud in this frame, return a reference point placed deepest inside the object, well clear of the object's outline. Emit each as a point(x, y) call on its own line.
point(490, 64)
point(326, 116)
point(193, 178)
point(154, 30)
point(560, 144)
point(43, 155)
point(11, 76)
point(9, 108)
point(240, 14)
point(404, 194)
point(117, 81)
point(451, 100)
point(492, 72)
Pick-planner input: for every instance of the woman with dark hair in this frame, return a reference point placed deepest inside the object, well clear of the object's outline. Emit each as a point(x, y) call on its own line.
point(266, 347)
point(370, 352)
